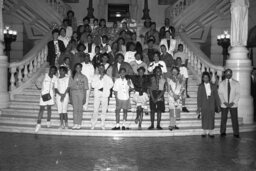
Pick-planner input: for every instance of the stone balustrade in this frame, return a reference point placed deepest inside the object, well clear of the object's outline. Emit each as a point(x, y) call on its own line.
point(199, 61)
point(59, 6)
point(179, 7)
point(20, 72)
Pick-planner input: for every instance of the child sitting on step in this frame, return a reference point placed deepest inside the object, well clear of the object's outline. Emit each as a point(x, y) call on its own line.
point(62, 96)
point(47, 95)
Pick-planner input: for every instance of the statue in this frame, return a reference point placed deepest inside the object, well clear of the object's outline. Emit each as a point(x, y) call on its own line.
point(239, 22)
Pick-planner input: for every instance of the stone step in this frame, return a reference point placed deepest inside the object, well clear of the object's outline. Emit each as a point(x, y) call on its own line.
point(116, 135)
point(87, 115)
point(108, 124)
point(111, 107)
point(112, 101)
point(34, 112)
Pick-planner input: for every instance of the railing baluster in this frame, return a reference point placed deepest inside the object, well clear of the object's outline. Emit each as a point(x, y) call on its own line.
point(25, 78)
point(12, 79)
point(20, 75)
point(30, 68)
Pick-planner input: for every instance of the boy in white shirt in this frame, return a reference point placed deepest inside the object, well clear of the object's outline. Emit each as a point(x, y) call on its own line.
point(121, 88)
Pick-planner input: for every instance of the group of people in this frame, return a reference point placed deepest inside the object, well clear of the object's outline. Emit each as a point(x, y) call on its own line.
point(113, 63)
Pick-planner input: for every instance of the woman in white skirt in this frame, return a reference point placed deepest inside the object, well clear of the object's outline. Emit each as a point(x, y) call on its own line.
point(175, 89)
point(62, 96)
point(47, 82)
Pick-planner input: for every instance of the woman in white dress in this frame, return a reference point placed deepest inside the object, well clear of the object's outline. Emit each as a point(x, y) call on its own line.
point(46, 82)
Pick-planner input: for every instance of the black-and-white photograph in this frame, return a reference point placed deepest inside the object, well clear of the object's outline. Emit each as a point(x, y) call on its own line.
point(127, 85)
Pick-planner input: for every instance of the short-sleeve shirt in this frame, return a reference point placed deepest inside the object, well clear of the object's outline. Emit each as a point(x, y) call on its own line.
point(122, 88)
point(182, 55)
point(159, 85)
point(62, 84)
point(184, 71)
point(80, 82)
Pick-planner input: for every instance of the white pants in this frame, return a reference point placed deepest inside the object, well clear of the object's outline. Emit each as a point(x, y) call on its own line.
point(104, 103)
point(62, 106)
point(85, 106)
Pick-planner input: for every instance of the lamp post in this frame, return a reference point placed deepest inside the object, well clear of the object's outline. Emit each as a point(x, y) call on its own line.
point(224, 41)
point(9, 37)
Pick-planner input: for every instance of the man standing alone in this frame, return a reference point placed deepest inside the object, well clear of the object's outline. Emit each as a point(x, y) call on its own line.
point(229, 96)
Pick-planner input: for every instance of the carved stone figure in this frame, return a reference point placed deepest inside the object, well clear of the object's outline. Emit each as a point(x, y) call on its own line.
point(239, 22)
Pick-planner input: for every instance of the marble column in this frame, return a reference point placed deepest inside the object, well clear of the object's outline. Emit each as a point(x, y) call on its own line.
point(238, 60)
point(4, 95)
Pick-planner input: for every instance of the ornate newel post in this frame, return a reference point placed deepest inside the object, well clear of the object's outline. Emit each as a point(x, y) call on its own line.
point(4, 95)
point(238, 61)
point(145, 11)
point(90, 10)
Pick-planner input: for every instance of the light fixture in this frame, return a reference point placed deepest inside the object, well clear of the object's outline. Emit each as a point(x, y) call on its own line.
point(9, 37)
point(118, 14)
point(223, 40)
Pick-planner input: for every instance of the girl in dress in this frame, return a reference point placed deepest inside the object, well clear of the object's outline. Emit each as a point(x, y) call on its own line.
point(62, 96)
point(175, 89)
point(47, 82)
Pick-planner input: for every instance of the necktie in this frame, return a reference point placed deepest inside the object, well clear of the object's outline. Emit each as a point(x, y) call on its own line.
point(229, 88)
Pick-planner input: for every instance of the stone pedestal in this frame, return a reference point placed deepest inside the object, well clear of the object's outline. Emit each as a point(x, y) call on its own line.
point(242, 67)
point(4, 95)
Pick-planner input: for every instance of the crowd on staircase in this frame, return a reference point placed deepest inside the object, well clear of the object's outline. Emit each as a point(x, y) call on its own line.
point(112, 62)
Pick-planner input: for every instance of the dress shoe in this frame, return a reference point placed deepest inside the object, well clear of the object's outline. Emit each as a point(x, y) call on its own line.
point(211, 135)
point(184, 109)
point(203, 135)
point(151, 127)
point(198, 116)
point(222, 134)
point(159, 127)
point(116, 128)
point(123, 127)
point(175, 127)
point(188, 96)
point(170, 128)
point(236, 136)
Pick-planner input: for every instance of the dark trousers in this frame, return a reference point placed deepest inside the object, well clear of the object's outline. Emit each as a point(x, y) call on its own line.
point(234, 119)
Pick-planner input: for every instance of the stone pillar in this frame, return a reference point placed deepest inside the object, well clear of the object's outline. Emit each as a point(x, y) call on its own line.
point(4, 95)
point(239, 61)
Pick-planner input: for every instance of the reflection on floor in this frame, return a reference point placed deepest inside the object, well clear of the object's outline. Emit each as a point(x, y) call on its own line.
point(41, 152)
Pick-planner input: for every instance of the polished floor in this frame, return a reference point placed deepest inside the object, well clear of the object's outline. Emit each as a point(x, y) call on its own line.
point(60, 153)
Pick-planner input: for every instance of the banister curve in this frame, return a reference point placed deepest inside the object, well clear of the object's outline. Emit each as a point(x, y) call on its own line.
point(32, 53)
point(198, 52)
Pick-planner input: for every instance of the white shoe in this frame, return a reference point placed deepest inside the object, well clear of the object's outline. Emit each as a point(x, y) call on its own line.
point(103, 128)
point(48, 124)
point(75, 126)
point(78, 127)
point(38, 126)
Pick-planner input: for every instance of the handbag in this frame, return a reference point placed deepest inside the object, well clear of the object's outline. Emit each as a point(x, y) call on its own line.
point(46, 97)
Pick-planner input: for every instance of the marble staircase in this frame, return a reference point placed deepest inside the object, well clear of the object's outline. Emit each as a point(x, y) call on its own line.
point(22, 113)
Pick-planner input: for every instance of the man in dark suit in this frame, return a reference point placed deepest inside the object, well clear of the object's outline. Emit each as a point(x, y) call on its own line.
point(166, 27)
point(55, 48)
point(229, 95)
point(121, 64)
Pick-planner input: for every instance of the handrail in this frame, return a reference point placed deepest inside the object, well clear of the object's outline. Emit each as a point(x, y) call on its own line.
point(21, 71)
point(60, 6)
point(198, 60)
point(177, 8)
